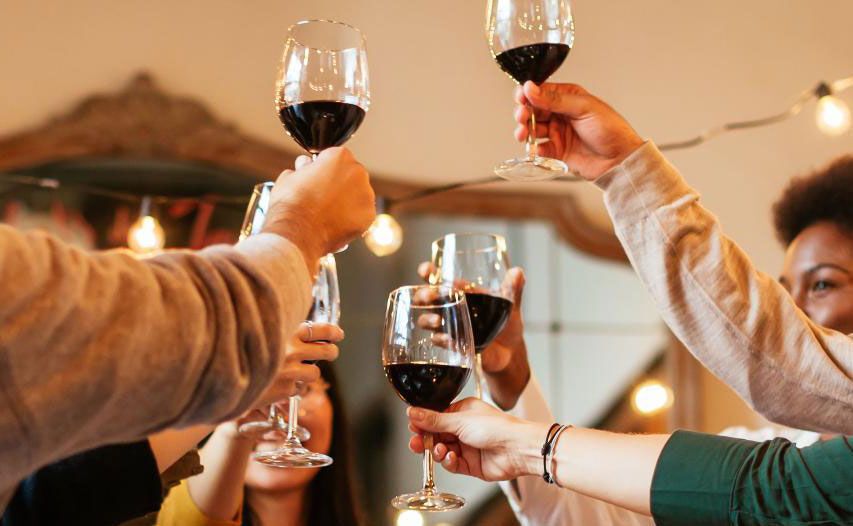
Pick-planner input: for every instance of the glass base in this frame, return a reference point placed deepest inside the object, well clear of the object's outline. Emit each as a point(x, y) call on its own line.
point(428, 500)
point(293, 455)
point(536, 169)
point(264, 430)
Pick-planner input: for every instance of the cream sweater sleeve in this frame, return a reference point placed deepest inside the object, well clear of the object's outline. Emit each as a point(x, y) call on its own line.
point(101, 347)
point(737, 321)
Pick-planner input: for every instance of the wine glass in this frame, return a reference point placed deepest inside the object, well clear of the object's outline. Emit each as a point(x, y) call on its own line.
point(274, 426)
point(476, 264)
point(427, 351)
point(322, 90)
point(324, 308)
point(530, 39)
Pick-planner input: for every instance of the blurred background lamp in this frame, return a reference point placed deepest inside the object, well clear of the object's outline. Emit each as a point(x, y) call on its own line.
point(146, 236)
point(410, 518)
point(385, 235)
point(833, 115)
point(650, 397)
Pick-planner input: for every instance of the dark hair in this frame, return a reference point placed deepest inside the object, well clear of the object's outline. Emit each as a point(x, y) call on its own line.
point(825, 195)
point(332, 494)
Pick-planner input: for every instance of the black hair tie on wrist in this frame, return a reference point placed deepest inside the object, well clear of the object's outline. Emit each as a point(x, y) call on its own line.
point(546, 449)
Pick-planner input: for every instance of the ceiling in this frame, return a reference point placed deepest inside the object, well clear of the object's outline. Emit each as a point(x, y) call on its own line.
point(441, 109)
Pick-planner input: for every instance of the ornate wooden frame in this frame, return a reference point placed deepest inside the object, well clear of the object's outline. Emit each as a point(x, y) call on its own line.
point(143, 121)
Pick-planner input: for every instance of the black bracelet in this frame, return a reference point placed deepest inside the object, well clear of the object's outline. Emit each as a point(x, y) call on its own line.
point(546, 449)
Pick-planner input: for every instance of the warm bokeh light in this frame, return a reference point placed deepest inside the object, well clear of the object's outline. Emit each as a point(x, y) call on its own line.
point(651, 397)
point(833, 115)
point(385, 236)
point(146, 236)
point(410, 518)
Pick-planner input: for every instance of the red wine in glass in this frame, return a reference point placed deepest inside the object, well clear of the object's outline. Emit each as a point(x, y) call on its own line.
point(429, 385)
point(320, 124)
point(489, 314)
point(535, 62)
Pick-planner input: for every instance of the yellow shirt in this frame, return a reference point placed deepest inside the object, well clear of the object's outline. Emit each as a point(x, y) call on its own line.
point(180, 510)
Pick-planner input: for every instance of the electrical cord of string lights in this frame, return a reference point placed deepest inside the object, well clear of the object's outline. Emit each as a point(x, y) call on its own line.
point(384, 237)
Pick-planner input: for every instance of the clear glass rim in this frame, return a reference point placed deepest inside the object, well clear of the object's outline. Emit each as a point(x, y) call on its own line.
point(458, 295)
point(291, 36)
point(438, 244)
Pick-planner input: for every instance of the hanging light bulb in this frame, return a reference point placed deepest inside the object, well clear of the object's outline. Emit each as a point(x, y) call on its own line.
point(650, 397)
point(833, 115)
point(146, 236)
point(385, 235)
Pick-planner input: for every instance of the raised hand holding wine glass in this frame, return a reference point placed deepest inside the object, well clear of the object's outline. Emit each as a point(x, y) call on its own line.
point(476, 264)
point(322, 89)
point(427, 352)
point(530, 39)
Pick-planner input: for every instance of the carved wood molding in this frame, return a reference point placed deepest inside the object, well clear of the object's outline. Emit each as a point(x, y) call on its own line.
point(142, 121)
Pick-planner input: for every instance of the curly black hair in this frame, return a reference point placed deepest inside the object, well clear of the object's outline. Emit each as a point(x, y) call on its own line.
point(825, 195)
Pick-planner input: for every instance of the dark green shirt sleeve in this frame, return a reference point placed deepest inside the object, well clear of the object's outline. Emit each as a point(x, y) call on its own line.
point(712, 480)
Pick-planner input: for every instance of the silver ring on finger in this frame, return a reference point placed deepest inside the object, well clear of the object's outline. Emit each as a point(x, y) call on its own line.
point(310, 325)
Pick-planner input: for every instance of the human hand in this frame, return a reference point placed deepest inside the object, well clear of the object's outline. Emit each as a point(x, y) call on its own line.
point(310, 343)
point(473, 438)
point(323, 204)
point(586, 133)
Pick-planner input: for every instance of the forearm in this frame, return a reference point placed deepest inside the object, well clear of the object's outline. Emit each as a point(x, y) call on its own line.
point(739, 322)
point(218, 490)
point(505, 386)
point(128, 347)
point(611, 467)
point(170, 445)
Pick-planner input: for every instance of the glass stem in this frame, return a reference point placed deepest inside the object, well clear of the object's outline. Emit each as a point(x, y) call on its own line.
point(272, 418)
point(429, 469)
point(531, 137)
point(292, 416)
point(478, 374)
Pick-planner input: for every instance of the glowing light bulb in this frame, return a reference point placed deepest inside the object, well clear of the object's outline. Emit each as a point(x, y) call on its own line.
point(833, 115)
point(410, 518)
point(385, 236)
point(650, 397)
point(146, 236)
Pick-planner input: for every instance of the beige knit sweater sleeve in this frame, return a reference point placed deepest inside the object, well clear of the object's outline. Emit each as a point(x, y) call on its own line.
point(101, 347)
point(737, 321)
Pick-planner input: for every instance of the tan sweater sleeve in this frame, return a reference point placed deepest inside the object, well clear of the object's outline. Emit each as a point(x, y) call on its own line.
point(102, 347)
point(737, 321)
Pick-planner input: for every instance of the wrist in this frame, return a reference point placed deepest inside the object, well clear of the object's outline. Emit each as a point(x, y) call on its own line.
point(296, 231)
point(528, 448)
point(507, 384)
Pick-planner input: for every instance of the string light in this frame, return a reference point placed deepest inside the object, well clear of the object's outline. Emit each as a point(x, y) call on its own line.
point(651, 397)
point(146, 236)
point(832, 115)
point(385, 235)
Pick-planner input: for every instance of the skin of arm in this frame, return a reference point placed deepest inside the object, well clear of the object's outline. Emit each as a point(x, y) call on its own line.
point(218, 491)
point(476, 439)
point(170, 445)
